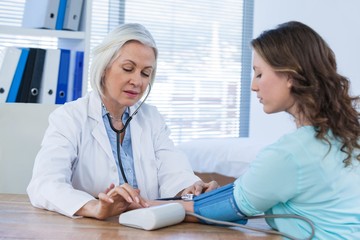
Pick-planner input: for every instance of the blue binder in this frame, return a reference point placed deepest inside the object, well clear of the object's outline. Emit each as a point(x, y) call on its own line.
point(61, 15)
point(63, 77)
point(78, 75)
point(18, 76)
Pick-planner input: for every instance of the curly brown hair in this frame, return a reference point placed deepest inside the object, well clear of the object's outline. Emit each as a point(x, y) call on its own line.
point(321, 93)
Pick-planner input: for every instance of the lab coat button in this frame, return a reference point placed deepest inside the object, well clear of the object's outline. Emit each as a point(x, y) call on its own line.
point(114, 169)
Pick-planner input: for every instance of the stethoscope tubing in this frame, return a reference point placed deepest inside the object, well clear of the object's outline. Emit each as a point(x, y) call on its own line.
point(118, 132)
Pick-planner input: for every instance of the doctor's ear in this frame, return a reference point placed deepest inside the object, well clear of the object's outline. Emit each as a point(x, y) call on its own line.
point(102, 81)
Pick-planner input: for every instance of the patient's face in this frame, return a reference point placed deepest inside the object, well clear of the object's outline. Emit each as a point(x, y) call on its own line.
point(272, 88)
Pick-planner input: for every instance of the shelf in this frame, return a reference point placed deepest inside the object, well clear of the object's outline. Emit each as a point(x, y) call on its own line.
point(41, 32)
point(18, 36)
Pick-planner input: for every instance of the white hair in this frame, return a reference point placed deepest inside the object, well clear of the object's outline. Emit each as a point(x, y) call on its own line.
point(107, 51)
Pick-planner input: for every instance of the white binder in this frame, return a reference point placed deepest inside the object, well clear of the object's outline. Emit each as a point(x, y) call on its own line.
point(40, 14)
point(73, 15)
point(10, 59)
point(50, 76)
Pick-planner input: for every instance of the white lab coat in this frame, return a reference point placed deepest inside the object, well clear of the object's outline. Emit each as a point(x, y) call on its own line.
point(75, 162)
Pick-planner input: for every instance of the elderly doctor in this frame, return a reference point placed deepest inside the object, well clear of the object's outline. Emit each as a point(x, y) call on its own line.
point(107, 152)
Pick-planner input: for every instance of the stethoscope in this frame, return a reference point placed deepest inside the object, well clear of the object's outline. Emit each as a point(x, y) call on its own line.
point(118, 132)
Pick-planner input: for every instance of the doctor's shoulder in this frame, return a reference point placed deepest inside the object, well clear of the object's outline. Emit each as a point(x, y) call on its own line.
point(73, 111)
point(145, 110)
point(148, 112)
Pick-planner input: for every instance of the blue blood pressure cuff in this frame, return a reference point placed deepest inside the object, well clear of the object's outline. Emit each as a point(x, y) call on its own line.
point(220, 205)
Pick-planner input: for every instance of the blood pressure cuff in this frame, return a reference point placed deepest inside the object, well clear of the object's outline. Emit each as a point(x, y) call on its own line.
point(220, 205)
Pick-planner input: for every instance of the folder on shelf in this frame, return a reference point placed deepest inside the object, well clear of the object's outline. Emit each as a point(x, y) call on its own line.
point(8, 65)
point(32, 76)
point(40, 13)
point(78, 75)
point(63, 76)
point(50, 76)
point(72, 15)
point(61, 15)
point(71, 76)
point(15, 85)
point(36, 78)
point(26, 77)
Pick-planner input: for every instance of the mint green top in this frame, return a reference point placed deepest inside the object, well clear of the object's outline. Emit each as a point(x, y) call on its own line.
point(300, 175)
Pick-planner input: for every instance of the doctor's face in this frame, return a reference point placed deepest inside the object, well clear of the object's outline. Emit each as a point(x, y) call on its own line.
point(127, 78)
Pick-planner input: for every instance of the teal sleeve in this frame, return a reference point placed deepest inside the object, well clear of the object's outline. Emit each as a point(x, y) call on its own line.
point(270, 179)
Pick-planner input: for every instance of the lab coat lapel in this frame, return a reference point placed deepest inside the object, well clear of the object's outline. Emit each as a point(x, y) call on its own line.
point(99, 131)
point(137, 144)
point(136, 131)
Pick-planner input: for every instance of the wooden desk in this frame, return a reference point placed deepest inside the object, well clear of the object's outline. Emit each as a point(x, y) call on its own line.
point(20, 220)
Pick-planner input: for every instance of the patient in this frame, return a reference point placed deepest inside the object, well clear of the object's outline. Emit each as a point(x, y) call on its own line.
point(313, 172)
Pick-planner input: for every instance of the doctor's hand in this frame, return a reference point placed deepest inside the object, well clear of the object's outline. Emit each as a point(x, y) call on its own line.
point(200, 187)
point(114, 201)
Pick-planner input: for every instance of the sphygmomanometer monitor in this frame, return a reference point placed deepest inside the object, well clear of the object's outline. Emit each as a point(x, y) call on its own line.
point(155, 217)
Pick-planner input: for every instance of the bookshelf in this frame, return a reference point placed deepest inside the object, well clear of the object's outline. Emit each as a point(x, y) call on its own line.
point(61, 34)
point(72, 40)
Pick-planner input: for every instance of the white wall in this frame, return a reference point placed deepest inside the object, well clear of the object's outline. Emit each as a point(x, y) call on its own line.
point(337, 21)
